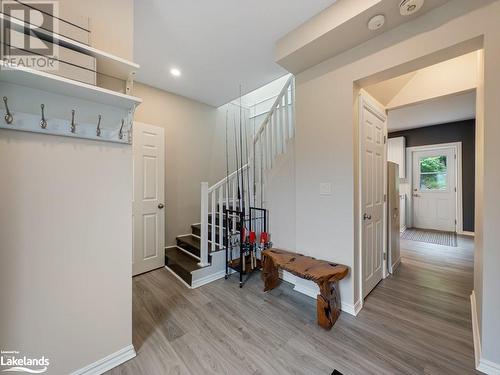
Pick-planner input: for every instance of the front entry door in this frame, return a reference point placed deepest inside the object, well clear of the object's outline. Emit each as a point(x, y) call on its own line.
point(373, 130)
point(434, 189)
point(149, 194)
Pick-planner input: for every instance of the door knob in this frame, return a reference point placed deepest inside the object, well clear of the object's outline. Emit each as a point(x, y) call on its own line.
point(160, 206)
point(367, 217)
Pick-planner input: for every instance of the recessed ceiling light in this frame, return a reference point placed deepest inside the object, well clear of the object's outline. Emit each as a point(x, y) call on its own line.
point(175, 72)
point(376, 22)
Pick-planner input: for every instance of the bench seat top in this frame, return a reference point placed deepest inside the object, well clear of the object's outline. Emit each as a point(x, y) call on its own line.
point(306, 267)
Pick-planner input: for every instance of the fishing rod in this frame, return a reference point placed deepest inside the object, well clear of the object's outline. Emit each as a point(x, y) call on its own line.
point(242, 200)
point(251, 233)
point(261, 173)
point(242, 208)
point(227, 185)
point(247, 159)
point(254, 147)
point(236, 157)
point(238, 182)
point(227, 155)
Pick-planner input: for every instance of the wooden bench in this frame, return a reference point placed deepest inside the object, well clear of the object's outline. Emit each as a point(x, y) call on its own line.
point(323, 273)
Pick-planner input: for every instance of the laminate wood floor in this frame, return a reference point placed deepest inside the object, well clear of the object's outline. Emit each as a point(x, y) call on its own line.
point(415, 322)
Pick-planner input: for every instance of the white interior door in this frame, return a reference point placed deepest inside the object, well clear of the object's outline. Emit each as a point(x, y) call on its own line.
point(434, 189)
point(373, 130)
point(149, 194)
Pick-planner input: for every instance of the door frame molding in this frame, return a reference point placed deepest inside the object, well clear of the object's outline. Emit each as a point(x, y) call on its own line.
point(457, 147)
point(366, 101)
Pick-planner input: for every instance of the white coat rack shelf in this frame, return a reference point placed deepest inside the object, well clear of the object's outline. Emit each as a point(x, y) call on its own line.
point(100, 131)
point(99, 114)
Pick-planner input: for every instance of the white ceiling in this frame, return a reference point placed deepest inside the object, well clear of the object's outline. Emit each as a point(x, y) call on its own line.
point(439, 111)
point(217, 44)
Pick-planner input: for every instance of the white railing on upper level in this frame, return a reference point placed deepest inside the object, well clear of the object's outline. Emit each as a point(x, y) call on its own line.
point(269, 142)
point(271, 138)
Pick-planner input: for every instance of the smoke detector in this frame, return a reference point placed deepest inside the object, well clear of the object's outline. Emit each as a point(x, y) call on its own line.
point(376, 22)
point(409, 7)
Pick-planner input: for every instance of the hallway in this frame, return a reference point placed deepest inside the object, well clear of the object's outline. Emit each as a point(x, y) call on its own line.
point(416, 322)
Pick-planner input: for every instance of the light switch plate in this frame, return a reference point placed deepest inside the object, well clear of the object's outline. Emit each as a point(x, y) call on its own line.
point(325, 188)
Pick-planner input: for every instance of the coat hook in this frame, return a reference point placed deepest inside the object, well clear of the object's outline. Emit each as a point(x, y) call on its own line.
point(98, 131)
point(8, 116)
point(73, 125)
point(43, 122)
point(120, 134)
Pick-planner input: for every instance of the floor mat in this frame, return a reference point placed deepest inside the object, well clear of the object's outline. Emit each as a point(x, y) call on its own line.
point(430, 236)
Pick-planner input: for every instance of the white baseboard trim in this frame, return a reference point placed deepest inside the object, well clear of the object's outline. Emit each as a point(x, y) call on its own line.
point(208, 279)
point(396, 265)
point(352, 309)
point(107, 363)
point(475, 329)
point(483, 365)
point(311, 290)
point(488, 367)
point(288, 277)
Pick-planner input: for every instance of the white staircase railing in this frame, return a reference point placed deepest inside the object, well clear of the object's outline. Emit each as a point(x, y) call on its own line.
point(213, 200)
point(269, 142)
point(271, 138)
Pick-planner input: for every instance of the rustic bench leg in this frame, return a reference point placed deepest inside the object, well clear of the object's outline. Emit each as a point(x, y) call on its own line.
point(270, 274)
point(328, 304)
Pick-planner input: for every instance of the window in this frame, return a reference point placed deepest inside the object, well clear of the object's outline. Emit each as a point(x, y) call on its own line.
point(434, 173)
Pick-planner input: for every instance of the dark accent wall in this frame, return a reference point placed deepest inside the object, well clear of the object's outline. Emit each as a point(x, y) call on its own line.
point(461, 131)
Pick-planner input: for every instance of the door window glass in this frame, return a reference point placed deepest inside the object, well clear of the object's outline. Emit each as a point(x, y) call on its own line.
point(434, 173)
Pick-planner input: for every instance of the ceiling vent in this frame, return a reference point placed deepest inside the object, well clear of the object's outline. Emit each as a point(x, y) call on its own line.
point(409, 7)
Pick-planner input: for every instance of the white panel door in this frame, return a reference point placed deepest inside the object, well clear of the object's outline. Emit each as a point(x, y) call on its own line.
point(149, 194)
point(434, 189)
point(373, 130)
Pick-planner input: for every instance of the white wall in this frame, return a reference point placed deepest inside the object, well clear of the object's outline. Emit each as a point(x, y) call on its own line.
point(190, 131)
point(111, 23)
point(327, 139)
point(65, 229)
point(65, 270)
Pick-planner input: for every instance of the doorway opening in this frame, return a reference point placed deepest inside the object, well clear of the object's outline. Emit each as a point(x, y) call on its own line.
point(435, 181)
point(422, 180)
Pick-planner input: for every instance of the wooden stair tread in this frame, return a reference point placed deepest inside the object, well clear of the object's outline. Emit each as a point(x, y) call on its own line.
point(193, 242)
point(180, 257)
point(181, 263)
